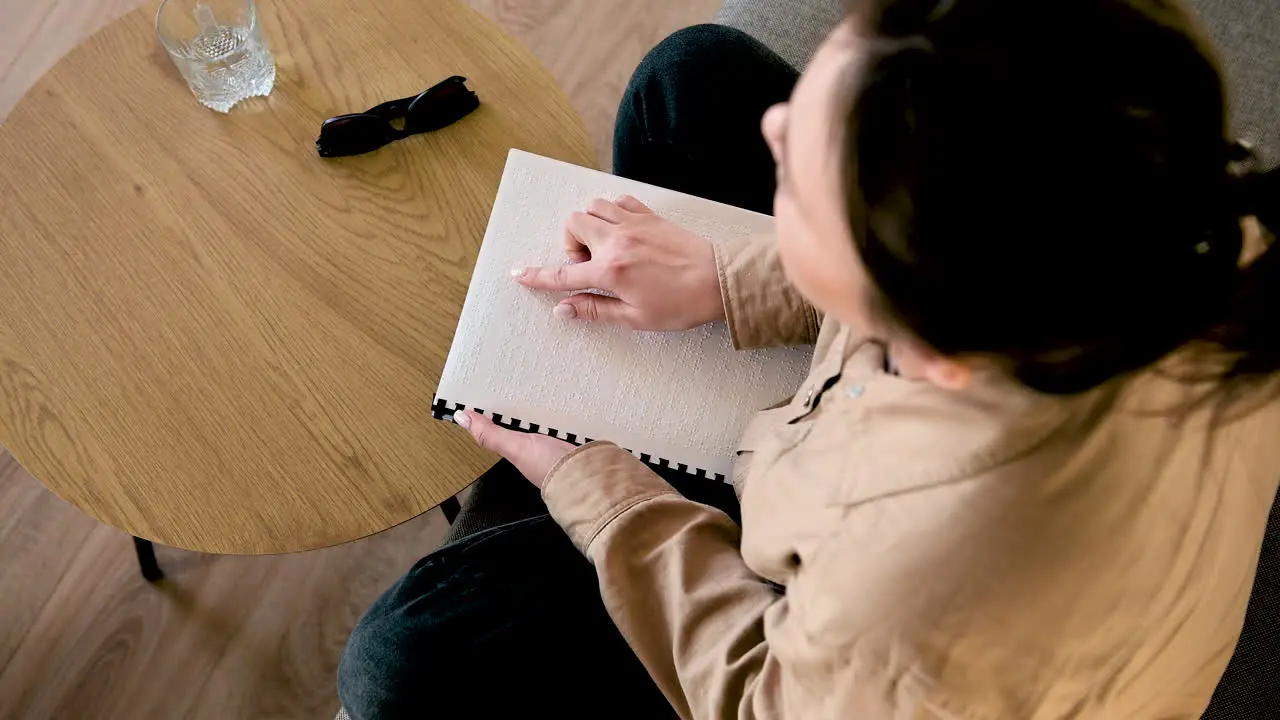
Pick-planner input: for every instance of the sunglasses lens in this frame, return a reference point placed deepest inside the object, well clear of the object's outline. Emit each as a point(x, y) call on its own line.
point(442, 105)
point(352, 135)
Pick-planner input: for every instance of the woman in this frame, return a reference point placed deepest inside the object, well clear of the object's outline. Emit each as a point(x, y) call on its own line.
point(1030, 471)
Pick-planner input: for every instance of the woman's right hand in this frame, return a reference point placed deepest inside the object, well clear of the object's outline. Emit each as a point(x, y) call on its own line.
point(664, 276)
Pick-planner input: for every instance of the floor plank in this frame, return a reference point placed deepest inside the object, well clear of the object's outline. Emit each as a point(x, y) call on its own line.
point(81, 634)
point(39, 537)
point(221, 637)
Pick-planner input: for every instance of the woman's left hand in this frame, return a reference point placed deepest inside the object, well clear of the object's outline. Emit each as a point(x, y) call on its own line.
point(533, 455)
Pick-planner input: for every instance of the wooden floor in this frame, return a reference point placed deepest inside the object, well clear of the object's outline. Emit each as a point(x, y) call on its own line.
point(82, 637)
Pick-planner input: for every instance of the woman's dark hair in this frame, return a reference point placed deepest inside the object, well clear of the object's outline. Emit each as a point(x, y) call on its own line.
point(1051, 183)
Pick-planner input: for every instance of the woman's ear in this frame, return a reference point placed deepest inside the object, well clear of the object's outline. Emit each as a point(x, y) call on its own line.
point(948, 373)
point(917, 361)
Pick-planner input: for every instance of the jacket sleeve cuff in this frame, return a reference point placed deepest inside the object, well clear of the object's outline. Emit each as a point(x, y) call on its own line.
point(761, 306)
point(593, 485)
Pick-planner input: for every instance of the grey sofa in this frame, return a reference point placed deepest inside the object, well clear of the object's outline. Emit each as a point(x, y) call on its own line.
point(1248, 33)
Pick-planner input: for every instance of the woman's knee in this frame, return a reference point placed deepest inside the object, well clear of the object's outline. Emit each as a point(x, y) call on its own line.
point(704, 78)
point(375, 676)
point(696, 56)
point(696, 49)
point(690, 118)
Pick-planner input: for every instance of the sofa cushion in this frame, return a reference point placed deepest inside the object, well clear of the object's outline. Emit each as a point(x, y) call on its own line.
point(792, 28)
point(1246, 33)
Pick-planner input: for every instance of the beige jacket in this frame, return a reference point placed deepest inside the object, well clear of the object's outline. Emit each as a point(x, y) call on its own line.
point(908, 552)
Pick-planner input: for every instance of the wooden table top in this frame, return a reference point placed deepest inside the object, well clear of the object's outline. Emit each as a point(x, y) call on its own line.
point(212, 338)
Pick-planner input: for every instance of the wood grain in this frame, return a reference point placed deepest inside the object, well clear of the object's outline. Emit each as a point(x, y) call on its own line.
point(228, 636)
point(591, 47)
point(211, 337)
point(34, 34)
point(225, 636)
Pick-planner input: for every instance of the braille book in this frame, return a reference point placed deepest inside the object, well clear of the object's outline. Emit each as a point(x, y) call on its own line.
point(676, 400)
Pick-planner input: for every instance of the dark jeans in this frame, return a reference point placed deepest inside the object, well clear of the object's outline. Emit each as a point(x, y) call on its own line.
point(509, 621)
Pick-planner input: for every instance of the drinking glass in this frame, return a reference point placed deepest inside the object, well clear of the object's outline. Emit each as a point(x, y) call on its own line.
point(218, 47)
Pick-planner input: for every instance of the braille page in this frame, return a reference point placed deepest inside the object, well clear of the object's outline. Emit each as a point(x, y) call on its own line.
point(677, 399)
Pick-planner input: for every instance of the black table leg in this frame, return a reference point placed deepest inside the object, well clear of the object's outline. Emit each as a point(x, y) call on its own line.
point(147, 559)
point(451, 508)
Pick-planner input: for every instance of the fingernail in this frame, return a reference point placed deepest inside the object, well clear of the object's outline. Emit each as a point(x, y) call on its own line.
point(518, 272)
point(463, 420)
point(565, 311)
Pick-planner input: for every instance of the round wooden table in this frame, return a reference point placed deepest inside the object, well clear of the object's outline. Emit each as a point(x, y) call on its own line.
point(214, 339)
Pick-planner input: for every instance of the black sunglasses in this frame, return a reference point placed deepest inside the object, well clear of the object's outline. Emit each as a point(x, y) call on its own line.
point(441, 105)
